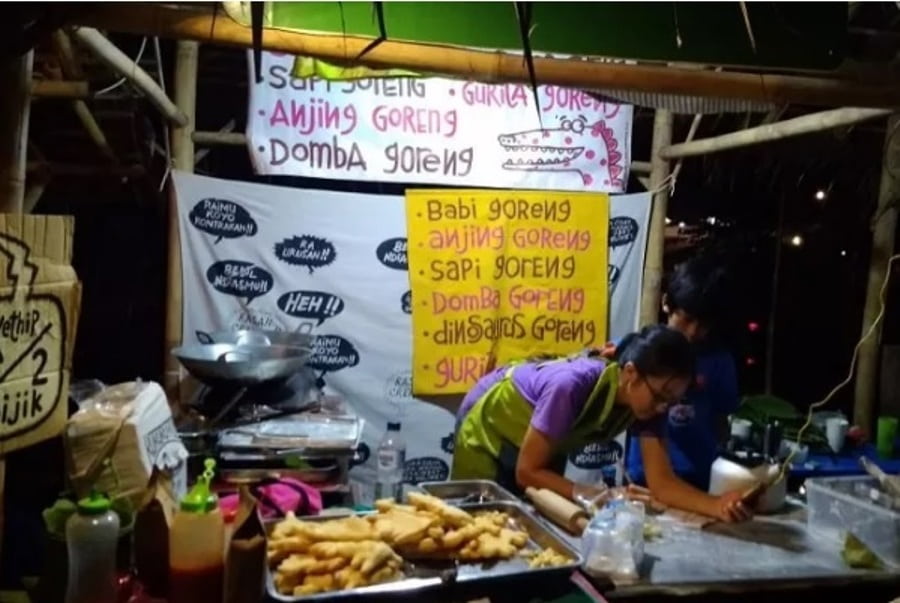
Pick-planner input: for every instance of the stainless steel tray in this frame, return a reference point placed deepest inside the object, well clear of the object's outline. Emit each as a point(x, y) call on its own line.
point(468, 491)
point(426, 575)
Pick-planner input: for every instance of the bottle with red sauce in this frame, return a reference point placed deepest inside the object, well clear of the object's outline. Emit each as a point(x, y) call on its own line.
point(197, 545)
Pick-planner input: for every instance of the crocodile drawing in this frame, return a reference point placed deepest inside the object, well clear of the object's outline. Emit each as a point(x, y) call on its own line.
point(574, 146)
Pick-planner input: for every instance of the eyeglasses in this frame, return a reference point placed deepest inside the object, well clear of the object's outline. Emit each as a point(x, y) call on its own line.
point(661, 399)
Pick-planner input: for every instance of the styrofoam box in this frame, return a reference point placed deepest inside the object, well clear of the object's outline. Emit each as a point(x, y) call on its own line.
point(837, 505)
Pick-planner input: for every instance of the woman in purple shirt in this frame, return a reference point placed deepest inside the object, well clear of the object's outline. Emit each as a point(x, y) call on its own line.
point(518, 422)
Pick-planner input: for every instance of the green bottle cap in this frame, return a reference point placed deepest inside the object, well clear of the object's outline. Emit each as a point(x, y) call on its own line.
point(95, 504)
point(200, 499)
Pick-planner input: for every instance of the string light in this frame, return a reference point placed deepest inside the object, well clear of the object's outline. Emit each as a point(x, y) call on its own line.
point(820, 195)
point(796, 240)
point(843, 253)
point(682, 225)
point(668, 221)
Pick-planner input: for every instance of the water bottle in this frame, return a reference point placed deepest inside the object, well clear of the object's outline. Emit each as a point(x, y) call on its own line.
point(391, 457)
point(92, 536)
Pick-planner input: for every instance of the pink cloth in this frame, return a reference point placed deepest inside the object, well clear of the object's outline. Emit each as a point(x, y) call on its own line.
point(276, 498)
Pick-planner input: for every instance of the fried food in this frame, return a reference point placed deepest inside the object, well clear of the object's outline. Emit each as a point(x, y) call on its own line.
point(546, 558)
point(454, 516)
point(310, 557)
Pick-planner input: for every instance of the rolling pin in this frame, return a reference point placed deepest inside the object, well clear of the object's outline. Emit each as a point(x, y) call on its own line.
point(559, 510)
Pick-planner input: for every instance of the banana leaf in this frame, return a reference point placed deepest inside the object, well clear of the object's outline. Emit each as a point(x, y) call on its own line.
point(760, 410)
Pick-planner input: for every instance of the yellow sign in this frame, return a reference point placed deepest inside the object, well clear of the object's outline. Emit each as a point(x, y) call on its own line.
point(502, 275)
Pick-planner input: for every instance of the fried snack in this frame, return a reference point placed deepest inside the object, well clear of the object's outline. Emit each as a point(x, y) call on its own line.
point(546, 558)
point(278, 550)
point(454, 516)
point(315, 584)
point(398, 527)
point(348, 529)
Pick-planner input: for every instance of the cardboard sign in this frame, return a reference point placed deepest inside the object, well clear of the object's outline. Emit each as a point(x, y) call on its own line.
point(502, 275)
point(40, 299)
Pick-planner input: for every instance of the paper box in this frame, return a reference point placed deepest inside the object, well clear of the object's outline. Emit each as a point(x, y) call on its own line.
point(119, 437)
point(40, 299)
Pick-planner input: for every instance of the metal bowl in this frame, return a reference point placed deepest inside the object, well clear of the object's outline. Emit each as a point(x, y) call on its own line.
point(221, 364)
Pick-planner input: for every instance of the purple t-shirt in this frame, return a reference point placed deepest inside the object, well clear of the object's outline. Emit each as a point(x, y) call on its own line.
point(558, 391)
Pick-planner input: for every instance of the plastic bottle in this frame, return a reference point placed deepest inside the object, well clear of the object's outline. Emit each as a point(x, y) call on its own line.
point(391, 457)
point(197, 546)
point(92, 535)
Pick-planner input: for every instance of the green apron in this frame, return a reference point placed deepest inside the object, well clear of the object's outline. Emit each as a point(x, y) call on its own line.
point(489, 436)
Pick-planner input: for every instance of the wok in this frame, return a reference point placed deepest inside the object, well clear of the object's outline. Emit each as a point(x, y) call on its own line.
point(258, 337)
point(231, 364)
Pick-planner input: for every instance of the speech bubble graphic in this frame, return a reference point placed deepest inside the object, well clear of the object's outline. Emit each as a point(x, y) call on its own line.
point(239, 278)
point(222, 219)
point(332, 353)
point(316, 305)
point(425, 469)
point(596, 455)
point(406, 302)
point(306, 250)
point(613, 273)
point(392, 253)
point(33, 342)
point(622, 231)
point(448, 443)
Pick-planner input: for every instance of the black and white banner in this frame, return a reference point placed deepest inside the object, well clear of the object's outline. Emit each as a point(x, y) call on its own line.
point(269, 257)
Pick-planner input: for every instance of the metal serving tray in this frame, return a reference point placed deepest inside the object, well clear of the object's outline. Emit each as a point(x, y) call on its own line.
point(468, 491)
point(427, 575)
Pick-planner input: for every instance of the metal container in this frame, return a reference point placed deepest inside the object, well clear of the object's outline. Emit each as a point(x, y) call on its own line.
point(424, 575)
point(259, 337)
point(468, 491)
point(231, 364)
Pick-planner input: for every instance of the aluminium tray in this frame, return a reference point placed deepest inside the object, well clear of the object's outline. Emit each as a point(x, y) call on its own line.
point(458, 492)
point(423, 575)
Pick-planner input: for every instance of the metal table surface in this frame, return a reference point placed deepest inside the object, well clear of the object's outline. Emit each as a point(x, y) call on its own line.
point(769, 551)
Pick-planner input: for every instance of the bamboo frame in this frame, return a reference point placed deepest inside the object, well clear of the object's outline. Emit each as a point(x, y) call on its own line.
point(656, 237)
point(186, 61)
point(202, 25)
point(884, 227)
point(122, 64)
point(71, 69)
point(814, 122)
point(60, 89)
point(15, 106)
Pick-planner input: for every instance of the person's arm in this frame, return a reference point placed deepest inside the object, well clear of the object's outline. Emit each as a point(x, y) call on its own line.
point(669, 489)
point(532, 467)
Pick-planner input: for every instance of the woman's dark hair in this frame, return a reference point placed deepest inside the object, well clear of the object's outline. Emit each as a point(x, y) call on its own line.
point(657, 351)
point(702, 288)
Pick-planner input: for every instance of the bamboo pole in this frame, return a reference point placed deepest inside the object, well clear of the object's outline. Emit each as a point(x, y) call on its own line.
point(884, 226)
point(183, 156)
point(205, 26)
point(72, 70)
point(59, 89)
point(220, 138)
point(121, 63)
point(14, 114)
point(34, 192)
point(15, 106)
point(656, 238)
point(814, 122)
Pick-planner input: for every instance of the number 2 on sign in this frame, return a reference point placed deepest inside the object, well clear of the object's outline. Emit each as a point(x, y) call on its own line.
point(39, 356)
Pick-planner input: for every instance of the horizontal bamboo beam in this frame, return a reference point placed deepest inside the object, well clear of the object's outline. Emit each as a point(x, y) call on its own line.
point(220, 138)
point(806, 124)
point(202, 25)
point(121, 63)
point(59, 89)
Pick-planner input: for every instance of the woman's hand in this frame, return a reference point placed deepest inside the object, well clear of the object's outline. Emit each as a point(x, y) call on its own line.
point(730, 509)
point(639, 494)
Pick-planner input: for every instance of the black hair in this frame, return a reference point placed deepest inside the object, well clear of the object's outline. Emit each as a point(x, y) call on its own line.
point(702, 288)
point(657, 351)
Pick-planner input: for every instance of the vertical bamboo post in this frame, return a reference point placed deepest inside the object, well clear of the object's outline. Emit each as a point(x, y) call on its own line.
point(14, 111)
point(656, 238)
point(884, 226)
point(183, 158)
point(15, 105)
